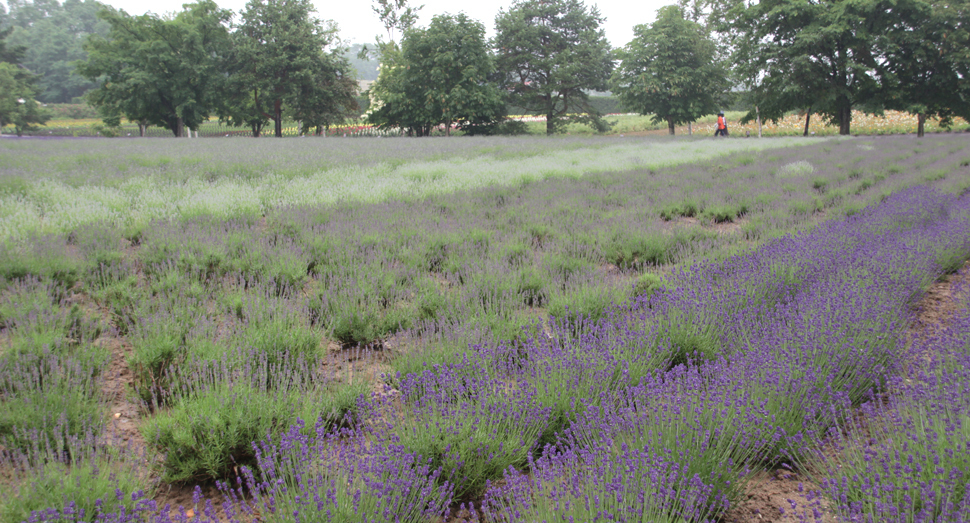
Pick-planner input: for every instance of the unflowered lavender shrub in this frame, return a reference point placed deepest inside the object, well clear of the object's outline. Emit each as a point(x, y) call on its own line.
point(466, 422)
point(429, 353)
point(625, 249)
point(159, 334)
point(586, 305)
point(38, 318)
point(609, 482)
point(339, 477)
point(116, 289)
point(219, 408)
point(282, 336)
point(42, 256)
point(205, 436)
point(368, 304)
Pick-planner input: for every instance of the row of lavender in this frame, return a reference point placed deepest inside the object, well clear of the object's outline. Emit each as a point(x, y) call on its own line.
point(431, 274)
point(804, 330)
point(227, 317)
point(663, 410)
point(484, 259)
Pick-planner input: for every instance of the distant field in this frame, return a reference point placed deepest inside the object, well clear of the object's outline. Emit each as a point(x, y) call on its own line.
point(56, 185)
point(892, 122)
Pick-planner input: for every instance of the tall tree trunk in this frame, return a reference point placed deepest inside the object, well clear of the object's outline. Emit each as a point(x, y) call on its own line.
point(142, 128)
point(179, 128)
point(550, 128)
point(690, 129)
point(448, 128)
point(758, 118)
point(278, 117)
point(670, 125)
point(808, 118)
point(845, 116)
point(920, 123)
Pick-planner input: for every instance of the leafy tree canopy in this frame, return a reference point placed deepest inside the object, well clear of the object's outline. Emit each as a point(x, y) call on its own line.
point(552, 53)
point(287, 60)
point(157, 70)
point(53, 35)
point(794, 54)
point(670, 70)
point(440, 76)
point(925, 60)
point(18, 104)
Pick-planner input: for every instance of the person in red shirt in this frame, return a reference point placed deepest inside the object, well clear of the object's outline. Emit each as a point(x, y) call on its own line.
point(721, 125)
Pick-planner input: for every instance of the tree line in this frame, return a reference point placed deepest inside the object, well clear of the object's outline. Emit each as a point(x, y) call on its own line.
point(274, 60)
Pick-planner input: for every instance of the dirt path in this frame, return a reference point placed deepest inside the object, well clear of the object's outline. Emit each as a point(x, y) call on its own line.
point(125, 412)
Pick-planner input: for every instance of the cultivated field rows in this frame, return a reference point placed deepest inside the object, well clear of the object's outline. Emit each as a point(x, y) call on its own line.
point(57, 186)
point(637, 344)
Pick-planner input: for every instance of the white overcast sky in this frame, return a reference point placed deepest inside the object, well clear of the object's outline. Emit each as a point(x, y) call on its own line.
point(359, 24)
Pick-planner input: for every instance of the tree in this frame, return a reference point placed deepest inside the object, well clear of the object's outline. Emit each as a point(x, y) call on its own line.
point(551, 54)
point(17, 89)
point(396, 15)
point(160, 71)
point(287, 59)
point(925, 60)
point(791, 53)
point(669, 70)
point(439, 77)
point(54, 35)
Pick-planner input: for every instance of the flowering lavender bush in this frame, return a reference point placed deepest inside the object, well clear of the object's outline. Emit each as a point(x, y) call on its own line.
point(701, 418)
point(911, 461)
point(47, 398)
point(339, 477)
point(467, 422)
point(84, 474)
point(610, 482)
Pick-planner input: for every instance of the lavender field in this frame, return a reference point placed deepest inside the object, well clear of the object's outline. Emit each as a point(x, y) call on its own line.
point(545, 330)
point(55, 186)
